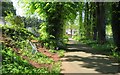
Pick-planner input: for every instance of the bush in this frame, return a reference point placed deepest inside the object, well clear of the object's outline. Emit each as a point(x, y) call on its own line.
point(16, 33)
point(59, 52)
point(12, 63)
point(108, 46)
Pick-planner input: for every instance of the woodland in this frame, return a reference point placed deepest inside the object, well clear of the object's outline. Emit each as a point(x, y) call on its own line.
point(35, 42)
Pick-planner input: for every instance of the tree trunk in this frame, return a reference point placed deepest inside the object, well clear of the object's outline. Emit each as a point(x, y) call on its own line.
point(94, 33)
point(101, 23)
point(80, 19)
point(87, 25)
point(90, 19)
point(71, 32)
point(94, 23)
point(116, 24)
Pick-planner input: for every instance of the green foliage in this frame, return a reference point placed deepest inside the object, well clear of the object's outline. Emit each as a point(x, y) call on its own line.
point(7, 7)
point(76, 38)
point(55, 19)
point(107, 47)
point(16, 33)
point(13, 63)
point(56, 68)
point(23, 22)
point(43, 33)
point(45, 38)
point(116, 54)
point(65, 38)
point(31, 22)
point(59, 52)
point(37, 57)
point(109, 31)
point(48, 40)
point(14, 20)
point(18, 37)
point(19, 40)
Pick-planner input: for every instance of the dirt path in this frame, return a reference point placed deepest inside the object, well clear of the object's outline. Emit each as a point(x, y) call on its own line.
point(83, 59)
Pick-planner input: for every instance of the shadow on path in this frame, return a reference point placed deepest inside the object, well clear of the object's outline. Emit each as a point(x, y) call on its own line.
point(88, 58)
point(102, 65)
point(84, 48)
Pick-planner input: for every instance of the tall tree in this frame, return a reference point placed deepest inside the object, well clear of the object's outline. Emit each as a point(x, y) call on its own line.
point(116, 23)
point(81, 26)
point(94, 20)
point(55, 15)
point(101, 22)
point(86, 20)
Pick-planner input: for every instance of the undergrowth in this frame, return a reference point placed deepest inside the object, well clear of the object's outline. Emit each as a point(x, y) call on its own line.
point(108, 47)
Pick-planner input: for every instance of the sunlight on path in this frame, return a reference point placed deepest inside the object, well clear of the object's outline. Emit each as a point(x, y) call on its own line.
point(84, 61)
